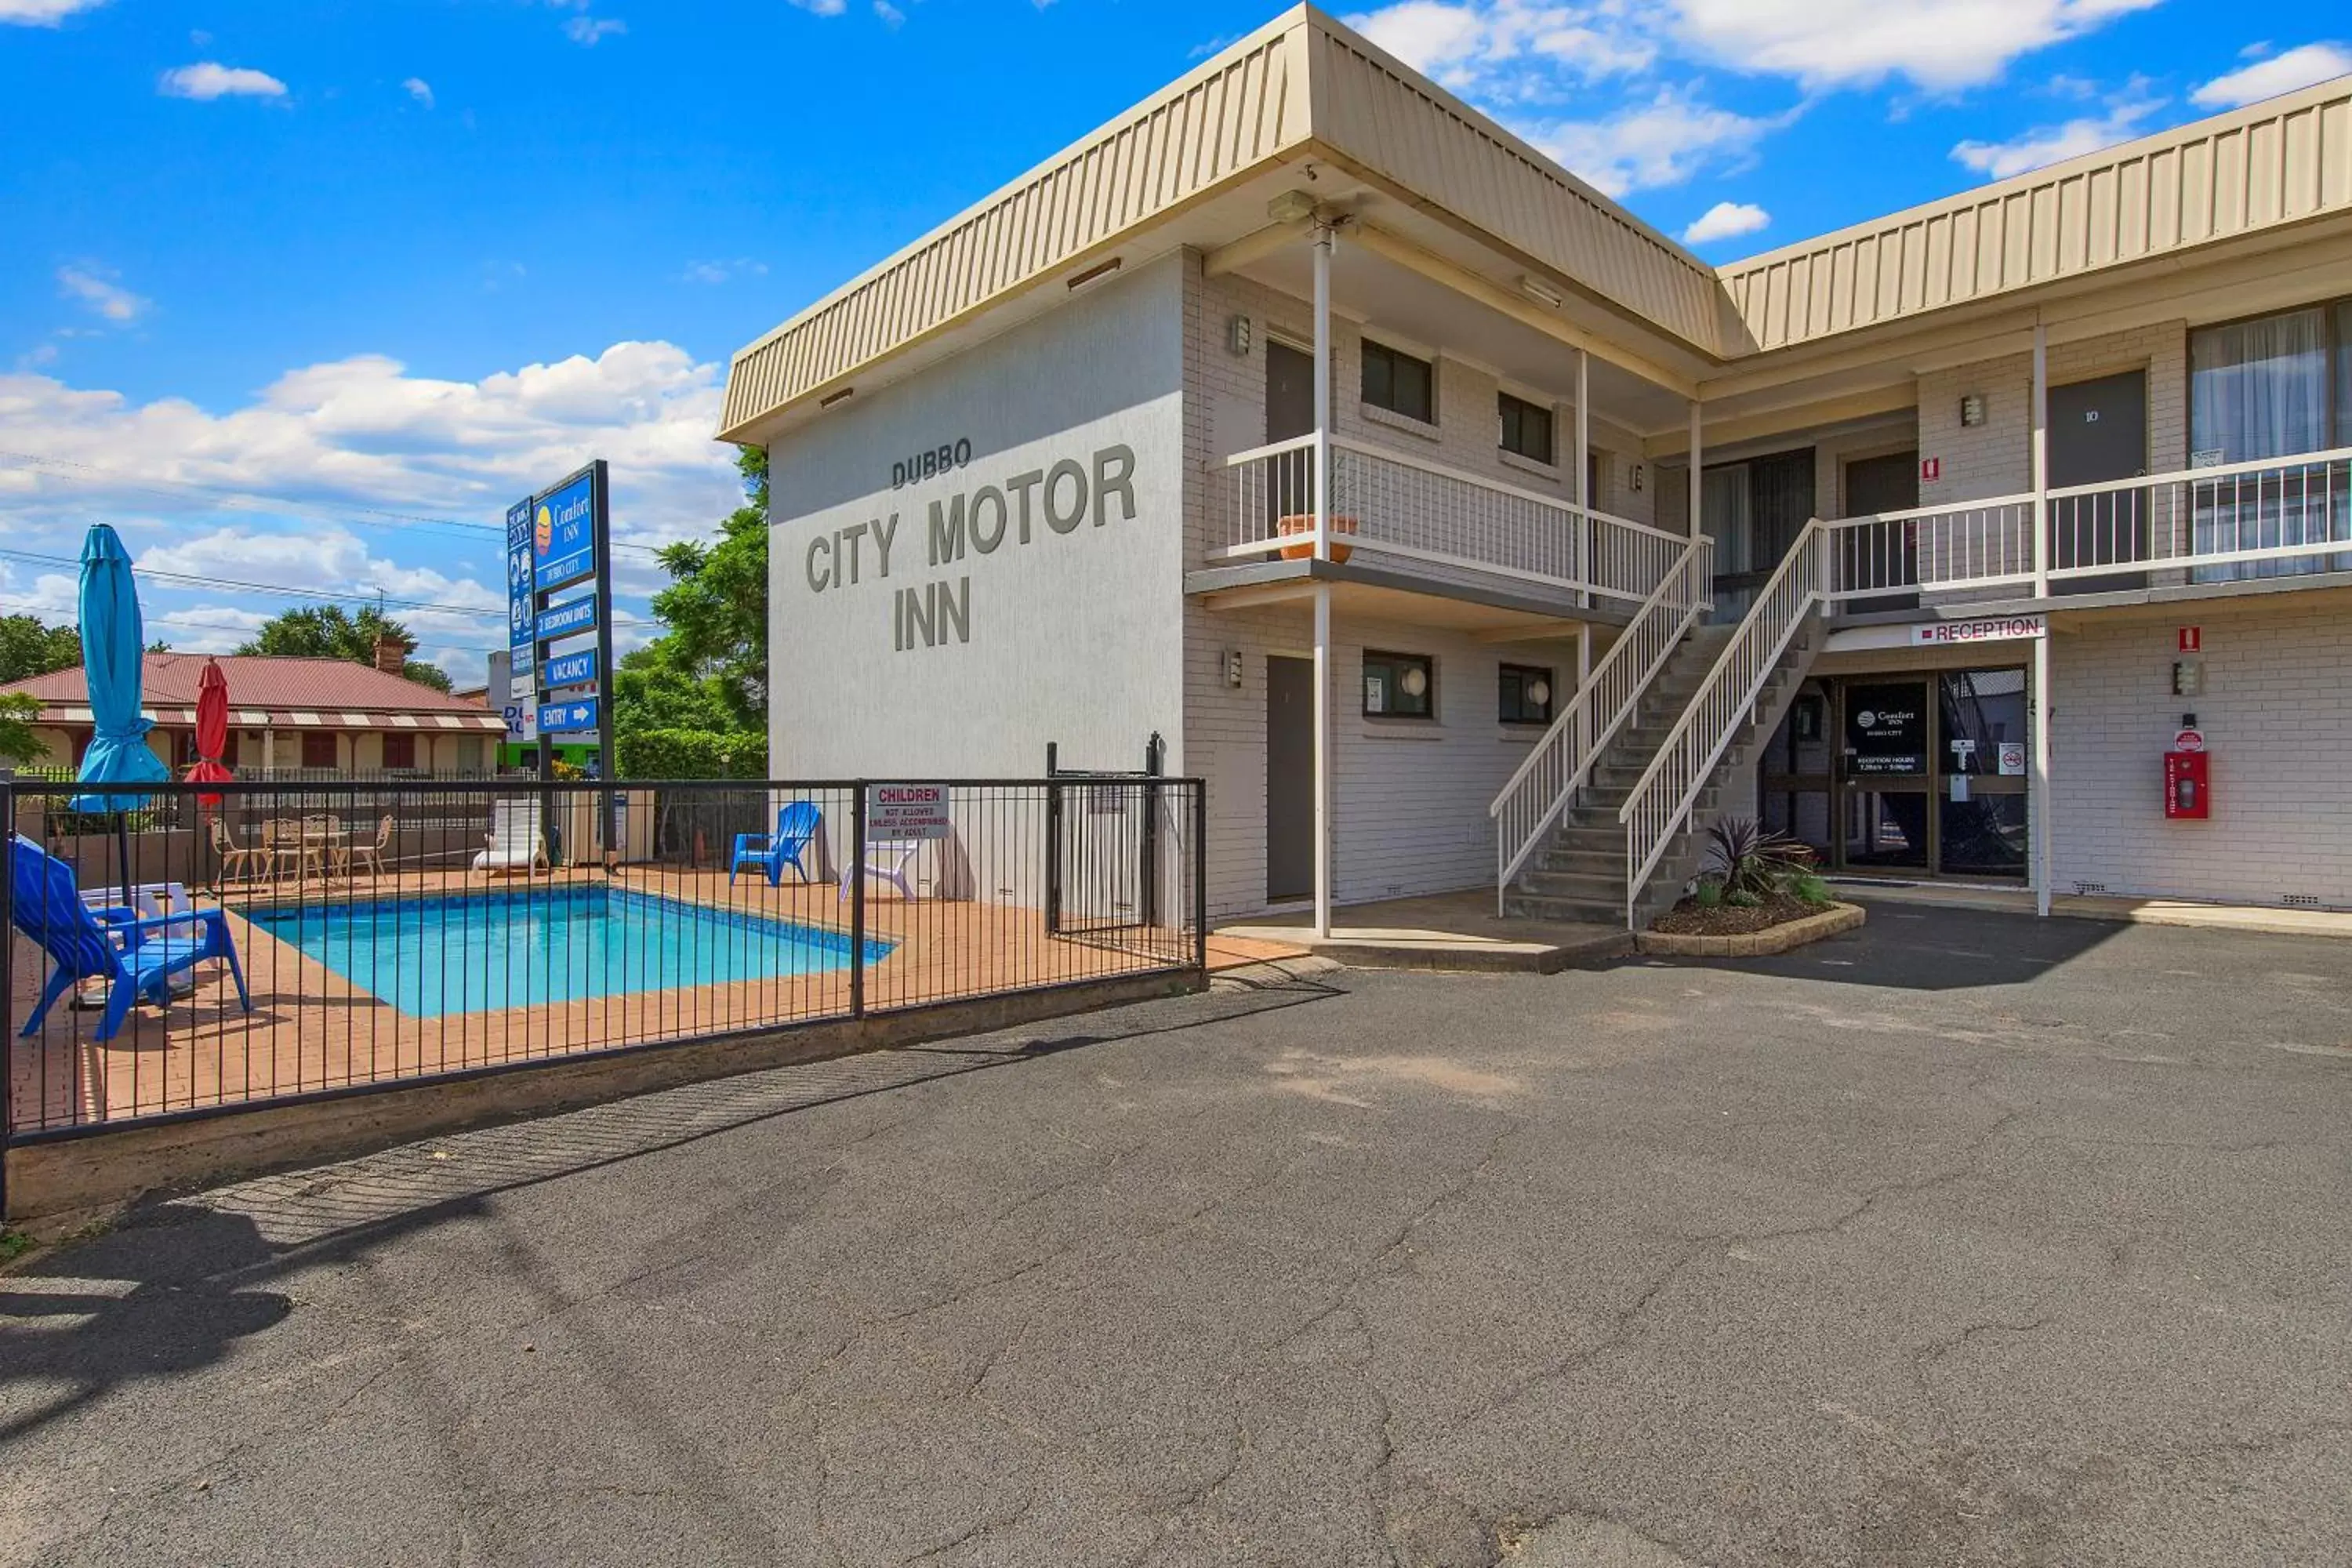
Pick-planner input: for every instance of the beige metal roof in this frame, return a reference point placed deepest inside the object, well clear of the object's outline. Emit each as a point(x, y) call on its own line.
point(1236, 111)
point(2263, 167)
point(1303, 86)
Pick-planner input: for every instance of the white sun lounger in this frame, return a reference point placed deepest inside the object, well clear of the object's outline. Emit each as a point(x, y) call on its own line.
point(515, 840)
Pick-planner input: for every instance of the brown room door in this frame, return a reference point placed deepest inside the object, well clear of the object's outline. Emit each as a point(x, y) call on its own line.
point(1289, 779)
point(1289, 411)
point(1884, 555)
point(2098, 432)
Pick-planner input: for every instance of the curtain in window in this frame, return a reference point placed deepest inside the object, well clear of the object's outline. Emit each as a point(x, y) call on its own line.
point(2260, 389)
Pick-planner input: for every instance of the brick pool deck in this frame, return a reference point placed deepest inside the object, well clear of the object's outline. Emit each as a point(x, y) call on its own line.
point(311, 1030)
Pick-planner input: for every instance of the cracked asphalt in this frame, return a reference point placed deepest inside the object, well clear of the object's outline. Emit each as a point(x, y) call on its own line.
point(1963, 1239)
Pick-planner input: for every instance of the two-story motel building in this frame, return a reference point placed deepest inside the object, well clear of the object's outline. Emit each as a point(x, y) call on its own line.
point(1306, 416)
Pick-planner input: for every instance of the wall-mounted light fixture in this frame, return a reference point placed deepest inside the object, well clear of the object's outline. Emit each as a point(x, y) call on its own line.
point(1237, 336)
point(1099, 270)
point(1292, 206)
point(1972, 409)
point(1543, 293)
point(1234, 668)
point(829, 398)
point(1633, 472)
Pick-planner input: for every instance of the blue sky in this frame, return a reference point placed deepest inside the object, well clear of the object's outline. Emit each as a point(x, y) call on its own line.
point(298, 295)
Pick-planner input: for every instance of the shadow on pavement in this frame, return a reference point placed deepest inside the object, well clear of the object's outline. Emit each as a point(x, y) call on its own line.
point(175, 1286)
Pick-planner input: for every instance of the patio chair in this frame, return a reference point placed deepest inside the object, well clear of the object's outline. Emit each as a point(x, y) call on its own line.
point(137, 957)
point(370, 854)
point(890, 860)
point(516, 844)
point(796, 828)
point(251, 859)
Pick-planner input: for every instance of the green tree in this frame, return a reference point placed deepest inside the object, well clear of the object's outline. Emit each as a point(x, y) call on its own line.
point(29, 648)
point(328, 631)
point(716, 606)
point(18, 746)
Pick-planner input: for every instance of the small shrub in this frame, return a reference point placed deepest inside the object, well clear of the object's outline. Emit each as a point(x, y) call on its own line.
point(1751, 860)
point(1741, 899)
point(1808, 889)
point(1710, 895)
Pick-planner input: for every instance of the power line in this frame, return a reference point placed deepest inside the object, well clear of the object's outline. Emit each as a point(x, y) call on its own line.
point(221, 496)
point(182, 623)
point(377, 597)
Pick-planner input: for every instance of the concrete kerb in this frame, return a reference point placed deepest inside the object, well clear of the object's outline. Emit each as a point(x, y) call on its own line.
point(103, 1170)
point(1765, 943)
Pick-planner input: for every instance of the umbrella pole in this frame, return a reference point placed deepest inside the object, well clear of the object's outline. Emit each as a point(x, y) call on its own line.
point(123, 844)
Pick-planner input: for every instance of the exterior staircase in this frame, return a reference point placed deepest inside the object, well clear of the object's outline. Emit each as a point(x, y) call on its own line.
point(1581, 874)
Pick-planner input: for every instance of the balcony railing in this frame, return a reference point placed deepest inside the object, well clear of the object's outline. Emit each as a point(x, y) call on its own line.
point(2270, 517)
point(1427, 519)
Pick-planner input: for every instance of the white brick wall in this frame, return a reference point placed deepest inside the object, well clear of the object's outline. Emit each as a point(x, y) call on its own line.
point(2277, 716)
point(1996, 458)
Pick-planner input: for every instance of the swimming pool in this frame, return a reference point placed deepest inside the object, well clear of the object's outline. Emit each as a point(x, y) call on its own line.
point(480, 953)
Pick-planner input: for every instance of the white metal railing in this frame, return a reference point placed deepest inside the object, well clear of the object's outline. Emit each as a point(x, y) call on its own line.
point(1562, 760)
point(2266, 517)
point(1406, 509)
point(1660, 803)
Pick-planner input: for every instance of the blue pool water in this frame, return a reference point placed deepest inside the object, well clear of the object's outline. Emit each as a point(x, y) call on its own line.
point(476, 954)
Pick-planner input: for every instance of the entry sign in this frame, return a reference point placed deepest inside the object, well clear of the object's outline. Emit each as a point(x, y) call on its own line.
point(906, 811)
point(566, 718)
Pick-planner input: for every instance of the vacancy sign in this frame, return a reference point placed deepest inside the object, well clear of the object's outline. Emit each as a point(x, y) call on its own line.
point(906, 811)
point(1996, 628)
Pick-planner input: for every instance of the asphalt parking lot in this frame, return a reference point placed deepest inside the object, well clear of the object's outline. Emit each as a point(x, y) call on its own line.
point(1963, 1239)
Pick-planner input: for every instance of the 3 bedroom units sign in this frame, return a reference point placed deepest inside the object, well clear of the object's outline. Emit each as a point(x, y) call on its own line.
point(928, 580)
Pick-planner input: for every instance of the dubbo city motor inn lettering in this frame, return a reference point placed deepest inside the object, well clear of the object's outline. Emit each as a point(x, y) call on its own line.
point(1060, 499)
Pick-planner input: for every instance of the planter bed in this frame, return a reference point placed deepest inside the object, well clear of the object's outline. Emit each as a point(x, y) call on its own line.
point(1775, 926)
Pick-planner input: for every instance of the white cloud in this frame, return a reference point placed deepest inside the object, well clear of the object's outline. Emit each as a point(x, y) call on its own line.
point(589, 31)
point(1940, 44)
point(2046, 144)
point(43, 12)
point(95, 287)
point(210, 79)
point(722, 271)
point(822, 7)
point(891, 16)
point(1727, 220)
point(420, 90)
point(1503, 51)
point(1663, 142)
point(333, 449)
point(1507, 51)
point(2269, 77)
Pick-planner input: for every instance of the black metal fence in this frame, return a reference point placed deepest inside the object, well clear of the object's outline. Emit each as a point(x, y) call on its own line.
point(231, 945)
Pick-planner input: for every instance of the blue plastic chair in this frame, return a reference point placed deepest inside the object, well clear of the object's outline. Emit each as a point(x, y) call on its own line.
point(796, 829)
point(136, 956)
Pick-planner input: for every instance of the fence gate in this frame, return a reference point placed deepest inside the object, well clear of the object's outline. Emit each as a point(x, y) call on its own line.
point(1104, 841)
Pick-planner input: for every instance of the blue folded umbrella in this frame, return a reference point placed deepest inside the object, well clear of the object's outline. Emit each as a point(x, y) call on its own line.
point(113, 643)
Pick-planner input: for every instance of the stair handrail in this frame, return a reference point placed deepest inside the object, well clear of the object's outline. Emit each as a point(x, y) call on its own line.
point(1660, 803)
point(1525, 808)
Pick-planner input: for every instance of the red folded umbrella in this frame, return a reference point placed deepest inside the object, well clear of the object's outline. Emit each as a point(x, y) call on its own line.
point(212, 732)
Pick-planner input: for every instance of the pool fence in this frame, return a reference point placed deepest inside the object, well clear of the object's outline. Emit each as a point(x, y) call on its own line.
point(227, 948)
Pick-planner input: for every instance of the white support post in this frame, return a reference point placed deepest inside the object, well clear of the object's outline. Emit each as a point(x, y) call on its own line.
point(1323, 761)
point(1698, 461)
point(1322, 393)
point(2041, 457)
point(2037, 804)
point(1582, 460)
